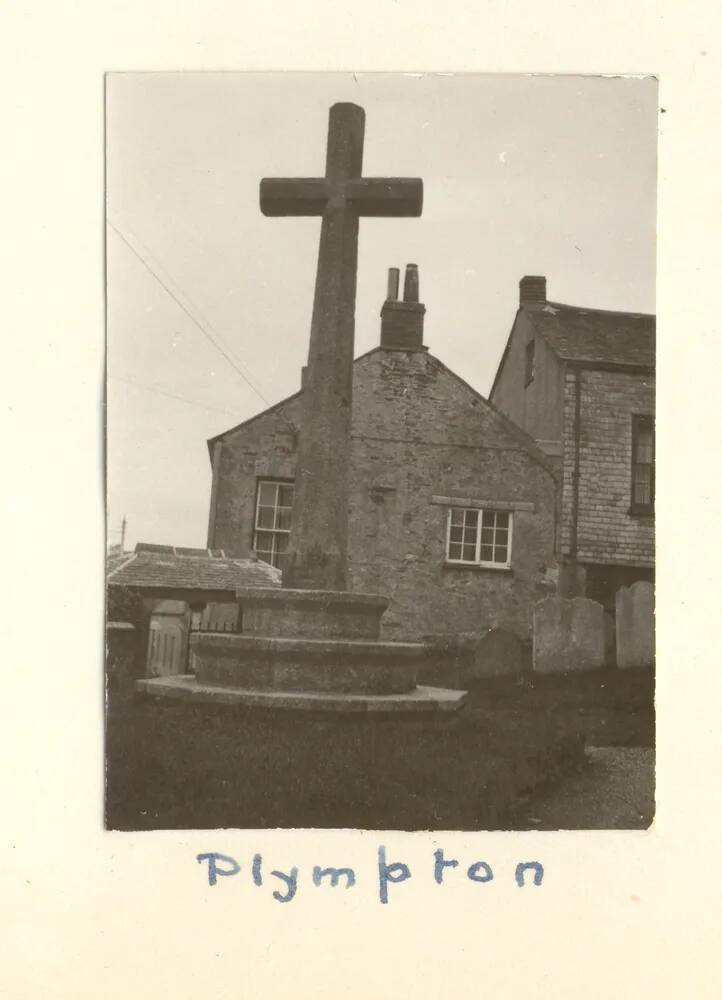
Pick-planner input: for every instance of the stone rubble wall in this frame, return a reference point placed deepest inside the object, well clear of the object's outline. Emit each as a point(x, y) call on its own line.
point(418, 431)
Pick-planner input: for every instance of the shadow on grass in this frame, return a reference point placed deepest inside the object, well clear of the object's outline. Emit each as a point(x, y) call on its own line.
point(181, 766)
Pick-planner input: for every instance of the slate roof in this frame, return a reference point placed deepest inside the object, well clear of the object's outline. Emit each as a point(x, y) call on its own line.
point(167, 566)
point(596, 335)
point(114, 558)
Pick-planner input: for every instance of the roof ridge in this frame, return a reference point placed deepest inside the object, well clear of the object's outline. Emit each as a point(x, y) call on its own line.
point(594, 309)
point(274, 406)
point(131, 557)
point(522, 436)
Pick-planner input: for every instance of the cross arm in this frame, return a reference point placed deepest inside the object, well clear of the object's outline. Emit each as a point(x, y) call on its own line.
point(386, 196)
point(293, 195)
point(369, 196)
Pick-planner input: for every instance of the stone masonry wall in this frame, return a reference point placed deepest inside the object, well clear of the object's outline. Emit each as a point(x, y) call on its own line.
point(418, 431)
point(263, 448)
point(607, 532)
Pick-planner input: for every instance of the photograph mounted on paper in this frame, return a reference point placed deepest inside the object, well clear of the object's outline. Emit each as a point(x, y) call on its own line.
point(380, 451)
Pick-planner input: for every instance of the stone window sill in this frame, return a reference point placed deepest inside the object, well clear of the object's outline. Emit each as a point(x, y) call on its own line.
point(476, 568)
point(641, 513)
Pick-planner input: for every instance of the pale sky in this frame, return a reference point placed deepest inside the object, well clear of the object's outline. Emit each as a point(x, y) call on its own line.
point(522, 175)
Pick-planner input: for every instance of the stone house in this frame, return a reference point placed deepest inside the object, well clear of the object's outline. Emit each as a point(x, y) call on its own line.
point(581, 382)
point(452, 509)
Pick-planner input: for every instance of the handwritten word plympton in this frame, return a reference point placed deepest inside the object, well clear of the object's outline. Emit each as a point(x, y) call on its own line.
point(388, 873)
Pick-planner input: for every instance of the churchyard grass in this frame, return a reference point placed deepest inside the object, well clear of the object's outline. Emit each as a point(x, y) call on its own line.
point(174, 766)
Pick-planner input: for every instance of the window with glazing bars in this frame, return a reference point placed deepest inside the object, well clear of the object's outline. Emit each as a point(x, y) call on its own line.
point(272, 526)
point(479, 537)
point(642, 463)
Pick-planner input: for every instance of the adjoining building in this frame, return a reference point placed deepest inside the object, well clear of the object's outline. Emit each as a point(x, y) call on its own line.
point(452, 509)
point(581, 382)
point(168, 591)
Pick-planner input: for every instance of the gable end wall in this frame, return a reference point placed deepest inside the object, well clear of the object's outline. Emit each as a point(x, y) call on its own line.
point(417, 431)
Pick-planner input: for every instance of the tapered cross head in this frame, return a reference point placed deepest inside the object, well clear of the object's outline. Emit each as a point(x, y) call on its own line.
point(343, 187)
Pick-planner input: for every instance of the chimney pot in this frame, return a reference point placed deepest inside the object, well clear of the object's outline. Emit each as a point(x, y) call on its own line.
point(532, 289)
point(411, 283)
point(392, 291)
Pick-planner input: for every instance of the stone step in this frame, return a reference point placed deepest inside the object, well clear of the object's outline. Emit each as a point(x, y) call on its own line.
point(313, 614)
point(300, 664)
point(420, 701)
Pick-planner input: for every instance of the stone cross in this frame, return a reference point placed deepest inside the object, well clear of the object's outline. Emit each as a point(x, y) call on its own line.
point(319, 537)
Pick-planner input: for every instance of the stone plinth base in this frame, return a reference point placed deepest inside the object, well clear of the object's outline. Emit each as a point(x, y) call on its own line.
point(309, 650)
point(310, 614)
point(316, 665)
point(421, 700)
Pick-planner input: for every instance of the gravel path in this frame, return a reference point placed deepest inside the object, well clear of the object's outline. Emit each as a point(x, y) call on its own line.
point(615, 792)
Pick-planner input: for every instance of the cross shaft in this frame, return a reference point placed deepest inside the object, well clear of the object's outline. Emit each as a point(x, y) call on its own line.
point(319, 537)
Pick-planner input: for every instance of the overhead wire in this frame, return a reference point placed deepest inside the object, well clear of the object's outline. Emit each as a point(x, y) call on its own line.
point(170, 395)
point(188, 313)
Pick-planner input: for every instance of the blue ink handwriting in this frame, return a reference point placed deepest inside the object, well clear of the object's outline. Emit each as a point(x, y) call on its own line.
point(388, 873)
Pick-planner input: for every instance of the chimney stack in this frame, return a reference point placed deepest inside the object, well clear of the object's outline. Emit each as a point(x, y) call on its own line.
point(532, 290)
point(402, 323)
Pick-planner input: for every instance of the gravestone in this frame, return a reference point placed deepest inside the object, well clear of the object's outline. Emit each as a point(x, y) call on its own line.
point(498, 654)
point(121, 649)
point(568, 635)
point(450, 658)
point(635, 625)
point(312, 644)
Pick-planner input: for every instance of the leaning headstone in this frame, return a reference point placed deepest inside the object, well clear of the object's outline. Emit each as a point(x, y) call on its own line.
point(635, 625)
point(610, 639)
point(568, 635)
point(449, 660)
point(121, 643)
point(498, 654)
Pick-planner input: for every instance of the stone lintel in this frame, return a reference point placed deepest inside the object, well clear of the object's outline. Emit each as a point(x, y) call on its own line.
point(491, 504)
point(421, 700)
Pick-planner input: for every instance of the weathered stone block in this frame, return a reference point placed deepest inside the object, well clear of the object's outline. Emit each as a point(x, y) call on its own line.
point(568, 635)
point(316, 665)
point(635, 625)
point(311, 614)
